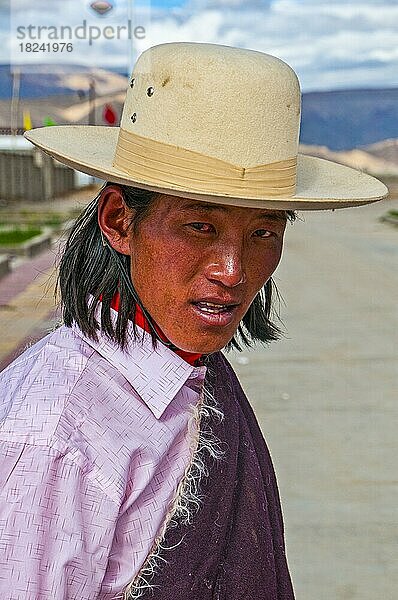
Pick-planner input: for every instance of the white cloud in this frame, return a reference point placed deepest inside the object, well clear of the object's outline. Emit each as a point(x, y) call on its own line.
point(335, 44)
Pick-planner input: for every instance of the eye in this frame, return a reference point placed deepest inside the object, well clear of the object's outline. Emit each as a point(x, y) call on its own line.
point(200, 227)
point(266, 233)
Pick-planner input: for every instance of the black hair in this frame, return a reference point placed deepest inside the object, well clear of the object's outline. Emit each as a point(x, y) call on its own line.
point(90, 266)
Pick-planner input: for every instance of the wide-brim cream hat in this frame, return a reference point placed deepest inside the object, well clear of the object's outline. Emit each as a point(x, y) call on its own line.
point(213, 123)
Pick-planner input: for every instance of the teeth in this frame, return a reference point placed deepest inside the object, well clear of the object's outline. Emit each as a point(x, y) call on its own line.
point(212, 304)
point(211, 307)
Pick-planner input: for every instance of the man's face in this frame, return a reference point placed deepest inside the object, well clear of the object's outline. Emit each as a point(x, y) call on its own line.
point(187, 254)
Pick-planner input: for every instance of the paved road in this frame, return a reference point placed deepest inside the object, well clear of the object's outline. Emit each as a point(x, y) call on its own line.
point(27, 309)
point(327, 397)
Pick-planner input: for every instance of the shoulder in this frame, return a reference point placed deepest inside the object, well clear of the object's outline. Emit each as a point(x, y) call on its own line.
point(35, 387)
point(63, 401)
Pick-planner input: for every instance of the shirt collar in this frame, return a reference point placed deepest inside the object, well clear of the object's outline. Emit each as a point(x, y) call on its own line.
point(157, 375)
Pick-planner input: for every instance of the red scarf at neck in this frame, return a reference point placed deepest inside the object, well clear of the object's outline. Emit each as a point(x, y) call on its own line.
point(141, 321)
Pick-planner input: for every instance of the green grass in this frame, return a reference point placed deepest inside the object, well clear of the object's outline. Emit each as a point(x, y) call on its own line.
point(13, 237)
point(53, 219)
point(33, 219)
point(393, 213)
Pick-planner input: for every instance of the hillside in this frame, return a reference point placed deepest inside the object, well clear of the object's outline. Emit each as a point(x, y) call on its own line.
point(66, 109)
point(386, 150)
point(381, 163)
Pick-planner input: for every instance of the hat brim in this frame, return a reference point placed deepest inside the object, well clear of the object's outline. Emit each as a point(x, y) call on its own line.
point(321, 184)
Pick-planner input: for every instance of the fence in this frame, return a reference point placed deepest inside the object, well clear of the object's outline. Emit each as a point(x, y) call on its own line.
point(29, 174)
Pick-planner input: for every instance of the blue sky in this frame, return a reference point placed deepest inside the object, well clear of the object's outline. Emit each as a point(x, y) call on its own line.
point(332, 44)
point(167, 3)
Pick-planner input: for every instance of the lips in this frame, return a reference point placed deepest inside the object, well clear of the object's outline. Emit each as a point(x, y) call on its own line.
point(217, 301)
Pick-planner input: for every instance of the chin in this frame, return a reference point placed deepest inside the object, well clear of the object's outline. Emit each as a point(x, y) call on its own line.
point(203, 347)
point(200, 341)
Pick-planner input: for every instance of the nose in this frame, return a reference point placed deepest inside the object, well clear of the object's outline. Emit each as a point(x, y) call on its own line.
point(227, 267)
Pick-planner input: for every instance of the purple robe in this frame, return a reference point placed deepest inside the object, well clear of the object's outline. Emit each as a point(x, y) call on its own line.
point(234, 548)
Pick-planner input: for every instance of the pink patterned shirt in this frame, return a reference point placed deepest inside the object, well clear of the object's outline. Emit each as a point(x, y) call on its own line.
point(93, 444)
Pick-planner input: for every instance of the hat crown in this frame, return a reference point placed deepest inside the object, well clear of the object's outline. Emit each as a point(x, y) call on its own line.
point(237, 105)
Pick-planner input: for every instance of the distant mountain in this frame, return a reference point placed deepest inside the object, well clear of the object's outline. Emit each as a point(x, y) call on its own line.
point(347, 119)
point(43, 81)
point(339, 120)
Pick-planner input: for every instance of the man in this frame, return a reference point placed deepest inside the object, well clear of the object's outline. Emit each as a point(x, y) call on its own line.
point(131, 459)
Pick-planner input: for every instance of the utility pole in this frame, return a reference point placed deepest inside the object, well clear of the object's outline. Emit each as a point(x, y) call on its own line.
point(91, 114)
point(130, 29)
point(16, 83)
point(91, 100)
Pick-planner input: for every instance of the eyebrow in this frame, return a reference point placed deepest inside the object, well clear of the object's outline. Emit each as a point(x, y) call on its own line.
point(279, 215)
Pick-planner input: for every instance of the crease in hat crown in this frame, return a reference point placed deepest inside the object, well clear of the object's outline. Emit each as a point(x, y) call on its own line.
point(213, 123)
point(214, 118)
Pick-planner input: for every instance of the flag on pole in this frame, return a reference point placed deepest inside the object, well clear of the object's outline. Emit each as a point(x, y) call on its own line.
point(109, 114)
point(27, 121)
point(48, 122)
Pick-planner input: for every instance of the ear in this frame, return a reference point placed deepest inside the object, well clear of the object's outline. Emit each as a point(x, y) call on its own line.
point(114, 218)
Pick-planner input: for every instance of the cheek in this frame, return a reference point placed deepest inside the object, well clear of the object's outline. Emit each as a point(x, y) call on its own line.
point(163, 267)
point(262, 265)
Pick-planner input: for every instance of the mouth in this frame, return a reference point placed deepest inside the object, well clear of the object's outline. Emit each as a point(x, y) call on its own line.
point(213, 313)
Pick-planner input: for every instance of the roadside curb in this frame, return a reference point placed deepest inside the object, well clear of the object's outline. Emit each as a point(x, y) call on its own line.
point(33, 247)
